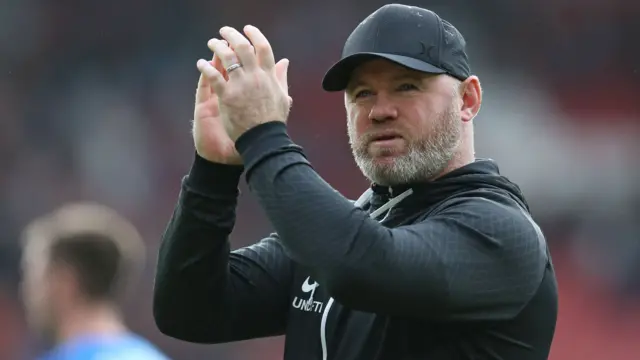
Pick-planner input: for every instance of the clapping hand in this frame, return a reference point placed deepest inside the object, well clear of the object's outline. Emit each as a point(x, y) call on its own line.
point(209, 135)
point(252, 89)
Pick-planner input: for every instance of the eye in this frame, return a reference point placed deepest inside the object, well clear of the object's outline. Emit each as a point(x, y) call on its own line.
point(407, 87)
point(362, 93)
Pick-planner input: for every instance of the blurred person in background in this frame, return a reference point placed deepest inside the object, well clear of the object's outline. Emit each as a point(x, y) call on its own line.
point(439, 259)
point(77, 262)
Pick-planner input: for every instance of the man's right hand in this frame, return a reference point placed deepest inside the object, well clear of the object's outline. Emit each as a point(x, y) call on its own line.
point(209, 136)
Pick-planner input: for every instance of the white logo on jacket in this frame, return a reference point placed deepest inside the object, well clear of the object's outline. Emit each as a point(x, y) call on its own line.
point(308, 305)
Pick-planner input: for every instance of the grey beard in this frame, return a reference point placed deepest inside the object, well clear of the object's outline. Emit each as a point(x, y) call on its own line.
point(426, 158)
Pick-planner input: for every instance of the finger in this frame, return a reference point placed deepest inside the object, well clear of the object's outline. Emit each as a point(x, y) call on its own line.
point(217, 63)
point(282, 67)
point(213, 76)
point(222, 50)
point(203, 92)
point(240, 45)
point(262, 47)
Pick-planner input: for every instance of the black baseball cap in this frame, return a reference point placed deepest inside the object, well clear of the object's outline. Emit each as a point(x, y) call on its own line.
point(407, 35)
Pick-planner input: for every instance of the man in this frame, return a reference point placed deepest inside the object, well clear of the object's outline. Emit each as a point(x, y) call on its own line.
point(76, 263)
point(440, 259)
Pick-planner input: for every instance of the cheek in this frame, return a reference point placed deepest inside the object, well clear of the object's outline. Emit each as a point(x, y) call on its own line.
point(419, 120)
point(357, 120)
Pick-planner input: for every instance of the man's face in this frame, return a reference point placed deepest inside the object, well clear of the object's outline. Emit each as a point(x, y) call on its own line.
point(37, 281)
point(404, 126)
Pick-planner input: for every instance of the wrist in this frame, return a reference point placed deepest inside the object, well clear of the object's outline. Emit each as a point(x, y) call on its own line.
point(262, 142)
point(213, 178)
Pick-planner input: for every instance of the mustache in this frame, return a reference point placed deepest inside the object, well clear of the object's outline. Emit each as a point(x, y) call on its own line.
point(368, 137)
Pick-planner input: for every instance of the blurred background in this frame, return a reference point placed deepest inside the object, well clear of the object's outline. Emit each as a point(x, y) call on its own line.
point(96, 100)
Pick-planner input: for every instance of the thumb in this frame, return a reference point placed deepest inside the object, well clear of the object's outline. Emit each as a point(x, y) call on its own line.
point(281, 74)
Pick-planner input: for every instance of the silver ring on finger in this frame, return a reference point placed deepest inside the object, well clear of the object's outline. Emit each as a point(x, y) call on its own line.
point(233, 67)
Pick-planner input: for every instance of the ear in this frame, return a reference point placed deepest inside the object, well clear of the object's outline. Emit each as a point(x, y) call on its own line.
point(471, 93)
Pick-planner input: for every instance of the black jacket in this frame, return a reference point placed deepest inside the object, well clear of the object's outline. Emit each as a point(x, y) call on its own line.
point(457, 270)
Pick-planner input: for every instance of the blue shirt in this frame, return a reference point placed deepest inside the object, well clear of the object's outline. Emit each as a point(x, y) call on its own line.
point(121, 347)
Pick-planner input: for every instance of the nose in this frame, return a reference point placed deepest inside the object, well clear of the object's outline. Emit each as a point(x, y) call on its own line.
point(383, 109)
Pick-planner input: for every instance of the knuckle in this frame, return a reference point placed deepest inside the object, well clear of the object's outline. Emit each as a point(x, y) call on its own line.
point(228, 57)
point(211, 76)
point(244, 47)
point(262, 47)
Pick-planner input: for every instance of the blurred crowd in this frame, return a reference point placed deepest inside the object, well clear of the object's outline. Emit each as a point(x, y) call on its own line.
point(96, 100)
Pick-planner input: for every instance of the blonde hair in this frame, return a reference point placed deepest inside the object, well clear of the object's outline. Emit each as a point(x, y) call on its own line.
point(81, 223)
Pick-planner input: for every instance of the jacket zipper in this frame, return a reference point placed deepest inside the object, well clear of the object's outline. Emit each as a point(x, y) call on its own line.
point(323, 329)
point(364, 198)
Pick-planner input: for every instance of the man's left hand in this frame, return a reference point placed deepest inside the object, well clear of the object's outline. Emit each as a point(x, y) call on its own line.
point(257, 91)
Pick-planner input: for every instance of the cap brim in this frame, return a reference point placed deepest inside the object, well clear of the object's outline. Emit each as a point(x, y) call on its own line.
point(337, 77)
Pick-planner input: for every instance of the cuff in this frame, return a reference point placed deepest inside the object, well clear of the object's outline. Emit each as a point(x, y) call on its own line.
point(264, 141)
point(209, 178)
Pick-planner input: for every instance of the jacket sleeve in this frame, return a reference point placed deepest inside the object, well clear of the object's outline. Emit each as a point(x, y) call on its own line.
point(480, 257)
point(204, 293)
